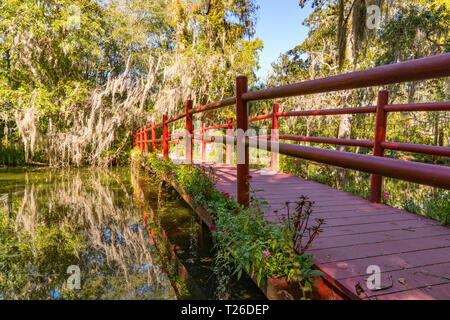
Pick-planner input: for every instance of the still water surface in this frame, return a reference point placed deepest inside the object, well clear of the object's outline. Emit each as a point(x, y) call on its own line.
point(124, 235)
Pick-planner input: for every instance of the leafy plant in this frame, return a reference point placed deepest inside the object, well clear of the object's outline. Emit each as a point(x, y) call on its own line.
point(243, 237)
point(297, 225)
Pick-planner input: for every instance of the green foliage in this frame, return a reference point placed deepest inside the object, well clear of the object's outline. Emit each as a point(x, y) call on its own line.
point(39, 261)
point(435, 205)
point(54, 55)
point(416, 31)
point(11, 156)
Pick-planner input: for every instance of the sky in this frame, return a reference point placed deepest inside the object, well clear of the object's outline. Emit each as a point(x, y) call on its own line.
point(280, 28)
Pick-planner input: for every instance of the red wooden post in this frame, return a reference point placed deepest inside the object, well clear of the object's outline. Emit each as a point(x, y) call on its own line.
point(165, 137)
point(137, 138)
point(203, 141)
point(242, 149)
point(380, 136)
point(229, 145)
point(190, 132)
point(153, 136)
point(145, 140)
point(141, 147)
point(274, 155)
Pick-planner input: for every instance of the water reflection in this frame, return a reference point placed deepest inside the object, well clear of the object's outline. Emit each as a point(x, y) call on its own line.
point(187, 243)
point(130, 238)
point(52, 219)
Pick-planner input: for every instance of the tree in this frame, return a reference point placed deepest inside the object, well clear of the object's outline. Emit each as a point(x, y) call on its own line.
point(77, 77)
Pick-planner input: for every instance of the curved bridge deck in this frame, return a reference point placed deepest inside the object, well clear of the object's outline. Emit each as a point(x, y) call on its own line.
point(413, 250)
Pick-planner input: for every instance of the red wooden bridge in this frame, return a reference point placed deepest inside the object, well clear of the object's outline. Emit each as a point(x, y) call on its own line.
point(413, 252)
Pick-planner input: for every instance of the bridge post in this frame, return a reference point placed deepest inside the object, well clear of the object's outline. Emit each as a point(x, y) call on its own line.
point(243, 184)
point(145, 140)
point(189, 132)
point(274, 136)
point(229, 143)
point(165, 142)
point(153, 136)
point(203, 141)
point(141, 147)
point(380, 136)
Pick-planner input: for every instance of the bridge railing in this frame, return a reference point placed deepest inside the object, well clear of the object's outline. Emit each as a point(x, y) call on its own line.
point(415, 70)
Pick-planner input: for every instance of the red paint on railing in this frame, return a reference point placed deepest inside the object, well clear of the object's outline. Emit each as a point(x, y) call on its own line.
point(327, 112)
point(153, 136)
point(380, 136)
point(203, 141)
point(420, 69)
point(242, 155)
point(341, 142)
point(274, 137)
point(165, 144)
point(145, 140)
point(190, 130)
point(419, 148)
point(229, 145)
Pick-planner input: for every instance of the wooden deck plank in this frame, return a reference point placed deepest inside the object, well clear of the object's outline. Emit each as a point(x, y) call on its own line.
point(324, 241)
point(414, 259)
point(358, 233)
point(359, 251)
point(404, 280)
point(440, 291)
point(376, 227)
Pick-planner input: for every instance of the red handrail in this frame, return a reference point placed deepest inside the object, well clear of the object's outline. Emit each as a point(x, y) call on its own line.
point(341, 142)
point(327, 112)
point(419, 69)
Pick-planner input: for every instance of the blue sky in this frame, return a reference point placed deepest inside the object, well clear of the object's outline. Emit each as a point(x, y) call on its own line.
point(280, 27)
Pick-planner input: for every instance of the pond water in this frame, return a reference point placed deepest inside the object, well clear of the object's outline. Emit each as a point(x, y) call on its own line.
point(104, 234)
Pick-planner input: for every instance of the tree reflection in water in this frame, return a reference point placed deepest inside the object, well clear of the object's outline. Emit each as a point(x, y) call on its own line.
point(51, 219)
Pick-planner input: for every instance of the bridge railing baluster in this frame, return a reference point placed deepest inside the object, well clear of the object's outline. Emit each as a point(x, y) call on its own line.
point(145, 140)
point(140, 140)
point(189, 132)
point(203, 141)
point(153, 132)
point(165, 142)
point(242, 148)
point(274, 137)
point(376, 180)
point(229, 146)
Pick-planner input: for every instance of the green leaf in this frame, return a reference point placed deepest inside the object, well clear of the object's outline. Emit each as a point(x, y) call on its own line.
point(258, 278)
